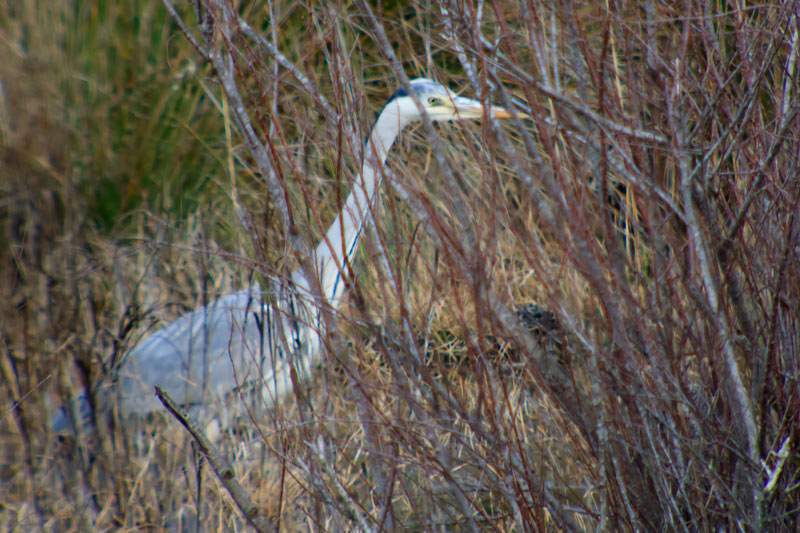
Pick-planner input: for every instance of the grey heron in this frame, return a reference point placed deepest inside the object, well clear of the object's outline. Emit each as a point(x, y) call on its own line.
point(240, 339)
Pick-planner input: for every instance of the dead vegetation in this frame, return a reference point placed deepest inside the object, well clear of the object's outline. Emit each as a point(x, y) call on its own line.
point(646, 195)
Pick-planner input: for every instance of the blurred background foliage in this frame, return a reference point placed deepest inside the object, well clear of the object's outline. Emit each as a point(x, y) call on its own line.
point(102, 101)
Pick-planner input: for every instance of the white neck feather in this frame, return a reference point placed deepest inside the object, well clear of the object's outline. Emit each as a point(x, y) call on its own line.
point(337, 249)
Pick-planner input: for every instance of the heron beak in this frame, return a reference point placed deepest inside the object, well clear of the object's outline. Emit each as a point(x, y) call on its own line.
point(467, 108)
point(500, 112)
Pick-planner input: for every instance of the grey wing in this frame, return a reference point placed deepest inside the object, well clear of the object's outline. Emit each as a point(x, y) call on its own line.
point(201, 356)
point(199, 359)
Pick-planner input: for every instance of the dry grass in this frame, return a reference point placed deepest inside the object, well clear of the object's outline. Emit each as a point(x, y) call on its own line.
point(649, 200)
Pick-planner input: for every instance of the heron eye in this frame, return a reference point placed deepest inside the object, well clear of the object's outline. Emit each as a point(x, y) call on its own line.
point(434, 101)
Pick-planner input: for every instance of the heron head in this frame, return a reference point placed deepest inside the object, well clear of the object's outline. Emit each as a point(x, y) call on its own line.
point(440, 103)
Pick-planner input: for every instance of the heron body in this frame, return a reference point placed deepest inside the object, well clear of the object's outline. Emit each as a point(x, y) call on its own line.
point(203, 355)
point(240, 340)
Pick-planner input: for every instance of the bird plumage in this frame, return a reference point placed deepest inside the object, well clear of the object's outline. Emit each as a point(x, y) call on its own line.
point(238, 339)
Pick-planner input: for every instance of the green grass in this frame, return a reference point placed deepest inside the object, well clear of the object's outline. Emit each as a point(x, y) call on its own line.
point(138, 129)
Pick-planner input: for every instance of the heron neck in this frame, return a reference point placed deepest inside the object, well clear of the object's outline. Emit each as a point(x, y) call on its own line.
point(335, 252)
